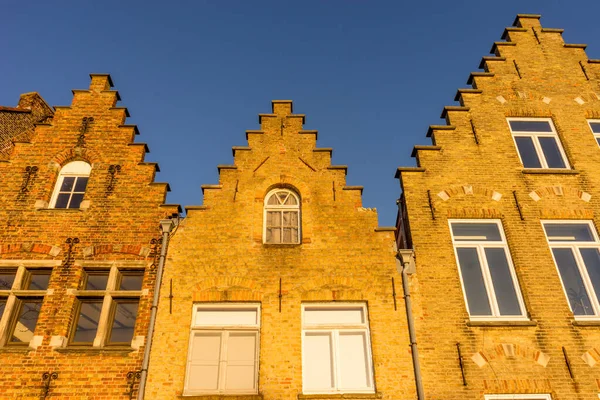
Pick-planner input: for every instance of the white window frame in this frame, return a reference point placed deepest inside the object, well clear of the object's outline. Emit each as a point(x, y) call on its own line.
point(109, 297)
point(574, 246)
point(335, 329)
point(487, 278)
point(225, 330)
point(536, 144)
point(596, 134)
point(267, 208)
point(16, 293)
point(75, 169)
point(517, 397)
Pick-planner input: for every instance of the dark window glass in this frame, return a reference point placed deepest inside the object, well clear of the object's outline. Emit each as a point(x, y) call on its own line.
point(569, 232)
point(67, 184)
point(598, 140)
point(591, 259)
point(39, 280)
point(28, 314)
point(551, 152)
point(480, 231)
point(62, 200)
point(131, 281)
point(124, 321)
point(530, 126)
point(477, 296)
point(595, 127)
point(76, 200)
point(527, 152)
point(7, 278)
point(81, 184)
point(504, 285)
point(572, 281)
point(2, 306)
point(96, 280)
point(87, 321)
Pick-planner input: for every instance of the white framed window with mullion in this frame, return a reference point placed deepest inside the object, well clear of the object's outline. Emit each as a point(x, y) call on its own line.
point(486, 271)
point(537, 142)
point(595, 127)
point(224, 349)
point(575, 248)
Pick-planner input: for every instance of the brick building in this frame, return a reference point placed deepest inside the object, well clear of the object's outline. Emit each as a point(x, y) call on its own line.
point(502, 214)
point(281, 285)
point(79, 209)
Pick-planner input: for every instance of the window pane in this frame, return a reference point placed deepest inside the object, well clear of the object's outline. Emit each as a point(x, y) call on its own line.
point(131, 281)
point(203, 372)
point(7, 278)
point(124, 322)
point(75, 200)
point(353, 363)
point(569, 232)
point(550, 148)
point(87, 321)
point(96, 280)
point(273, 200)
point(527, 152)
point(2, 306)
point(39, 280)
point(598, 140)
point(591, 258)
point(595, 127)
point(62, 200)
point(291, 201)
point(230, 316)
point(479, 231)
point(241, 354)
point(67, 184)
point(477, 296)
point(27, 319)
point(317, 367)
point(329, 316)
point(530, 126)
point(572, 281)
point(504, 285)
point(80, 184)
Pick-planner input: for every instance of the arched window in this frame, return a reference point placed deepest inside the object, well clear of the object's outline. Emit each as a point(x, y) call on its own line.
point(71, 184)
point(282, 217)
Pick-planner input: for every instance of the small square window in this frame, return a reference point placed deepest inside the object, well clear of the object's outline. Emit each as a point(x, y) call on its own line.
point(595, 127)
point(537, 143)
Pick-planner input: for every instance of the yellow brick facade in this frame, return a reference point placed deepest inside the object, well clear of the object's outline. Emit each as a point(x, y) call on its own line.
point(473, 171)
point(217, 256)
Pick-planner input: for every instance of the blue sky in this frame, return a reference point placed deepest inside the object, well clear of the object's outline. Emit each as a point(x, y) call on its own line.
point(371, 76)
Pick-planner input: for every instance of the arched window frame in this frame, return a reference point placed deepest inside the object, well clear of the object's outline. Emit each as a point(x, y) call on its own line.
point(80, 171)
point(282, 208)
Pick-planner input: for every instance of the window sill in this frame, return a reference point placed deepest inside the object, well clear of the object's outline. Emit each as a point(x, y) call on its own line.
point(281, 245)
point(221, 396)
point(500, 323)
point(564, 171)
point(95, 350)
point(16, 349)
point(378, 395)
point(62, 209)
point(586, 322)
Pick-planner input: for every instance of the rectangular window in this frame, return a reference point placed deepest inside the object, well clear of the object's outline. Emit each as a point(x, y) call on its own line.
point(486, 271)
point(22, 292)
point(595, 127)
point(107, 307)
point(336, 349)
point(576, 251)
point(537, 143)
point(223, 350)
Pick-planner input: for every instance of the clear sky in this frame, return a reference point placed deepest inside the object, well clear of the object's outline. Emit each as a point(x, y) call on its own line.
point(371, 76)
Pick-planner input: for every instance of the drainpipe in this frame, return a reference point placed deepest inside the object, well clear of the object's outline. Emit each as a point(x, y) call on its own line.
point(406, 267)
point(166, 226)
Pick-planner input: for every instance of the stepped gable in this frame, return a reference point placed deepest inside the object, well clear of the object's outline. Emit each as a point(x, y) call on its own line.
point(530, 69)
point(282, 153)
point(17, 123)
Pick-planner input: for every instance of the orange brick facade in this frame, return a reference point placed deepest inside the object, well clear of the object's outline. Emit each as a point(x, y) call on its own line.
point(114, 226)
point(473, 171)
